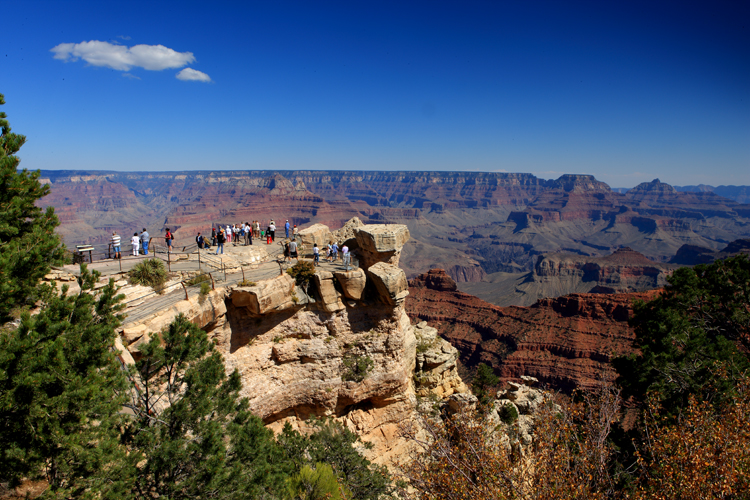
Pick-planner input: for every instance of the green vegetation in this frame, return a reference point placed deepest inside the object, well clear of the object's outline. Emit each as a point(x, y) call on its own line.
point(319, 483)
point(28, 243)
point(483, 384)
point(356, 368)
point(246, 282)
point(198, 279)
point(334, 444)
point(691, 333)
point(61, 391)
point(149, 272)
point(205, 288)
point(302, 272)
point(507, 413)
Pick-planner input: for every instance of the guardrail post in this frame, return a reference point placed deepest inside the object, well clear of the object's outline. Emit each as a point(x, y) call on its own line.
point(199, 260)
point(243, 273)
point(169, 261)
point(184, 288)
point(213, 287)
point(224, 268)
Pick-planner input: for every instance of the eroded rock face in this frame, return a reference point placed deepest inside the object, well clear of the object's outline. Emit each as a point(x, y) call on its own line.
point(434, 279)
point(390, 282)
point(346, 232)
point(352, 282)
point(317, 233)
point(380, 243)
point(566, 342)
point(436, 371)
point(296, 364)
point(330, 298)
point(273, 295)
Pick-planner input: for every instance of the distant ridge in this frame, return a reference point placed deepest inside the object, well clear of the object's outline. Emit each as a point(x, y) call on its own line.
point(740, 194)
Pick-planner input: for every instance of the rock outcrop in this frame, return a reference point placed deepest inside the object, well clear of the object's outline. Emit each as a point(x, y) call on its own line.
point(390, 282)
point(436, 371)
point(349, 352)
point(380, 243)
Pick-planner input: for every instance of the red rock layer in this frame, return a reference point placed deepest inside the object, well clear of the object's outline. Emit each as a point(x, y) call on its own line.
point(566, 342)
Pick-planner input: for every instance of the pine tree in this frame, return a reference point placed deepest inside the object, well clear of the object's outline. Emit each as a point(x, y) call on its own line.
point(193, 436)
point(28, 243)
point(62, 391)
point(690, 334)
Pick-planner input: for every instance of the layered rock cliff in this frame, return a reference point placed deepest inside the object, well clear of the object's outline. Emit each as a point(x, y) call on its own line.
point(342, 347)
point(565, 342)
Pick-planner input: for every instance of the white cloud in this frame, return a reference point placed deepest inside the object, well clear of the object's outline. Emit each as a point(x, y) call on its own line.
point(121, 58)
point(189, 74)
point(131, 76)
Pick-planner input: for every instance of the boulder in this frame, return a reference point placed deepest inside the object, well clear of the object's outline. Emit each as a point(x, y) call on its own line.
point(380, 243)
point(267, 296)
point(346, 232)
point(330, 298)
point(390, 282)
point(317, 233)
point(352, 282)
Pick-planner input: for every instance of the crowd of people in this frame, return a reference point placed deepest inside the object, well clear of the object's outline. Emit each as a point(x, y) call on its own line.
point(241, 234)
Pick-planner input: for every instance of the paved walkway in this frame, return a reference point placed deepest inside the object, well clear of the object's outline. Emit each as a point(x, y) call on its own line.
point(141, 308)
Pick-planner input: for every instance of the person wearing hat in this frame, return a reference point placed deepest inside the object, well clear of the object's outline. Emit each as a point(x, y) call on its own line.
point(286, 228)
point(116, 244)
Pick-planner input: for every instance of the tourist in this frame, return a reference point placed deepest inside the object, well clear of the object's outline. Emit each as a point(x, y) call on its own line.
point(145, 237)
point(228, 234)
point(286, 228)
point(334, 252)
point(116, 245)
point(293, 251)
point(329, 251)
point(220, 239)
point(168, 237)
point(236, 234)
point(199, 241)
point(295, 231)
point(136, 242)
point(248, 234)
point(272, 229)
point(316, 255)
point(213, 236)
point(347, 257)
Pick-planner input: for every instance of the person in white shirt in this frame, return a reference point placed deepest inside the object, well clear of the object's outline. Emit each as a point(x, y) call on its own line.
point(136, 242)
point(272, 227)
point(228, 233)
point(316, 255)
point(347, 257)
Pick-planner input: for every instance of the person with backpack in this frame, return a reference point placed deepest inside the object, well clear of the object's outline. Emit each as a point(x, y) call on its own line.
point(168, 237)
point(220, 239)
point(199, 241)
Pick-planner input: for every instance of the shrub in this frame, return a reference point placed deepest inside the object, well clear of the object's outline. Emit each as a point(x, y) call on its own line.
point(195, 280)
point(149, 272)
point(246, 282)
point(508, 413)
point(302, 272)
point(356, 368)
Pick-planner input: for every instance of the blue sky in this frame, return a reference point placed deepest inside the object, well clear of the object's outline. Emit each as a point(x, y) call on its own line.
point(627, 91)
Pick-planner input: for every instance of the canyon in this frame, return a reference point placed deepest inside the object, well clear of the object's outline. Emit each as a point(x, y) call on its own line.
point(483, 228)
point(565, 342)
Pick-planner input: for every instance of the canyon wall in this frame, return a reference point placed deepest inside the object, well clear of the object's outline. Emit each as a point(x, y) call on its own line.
point(473, 224)
point(566, 342)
